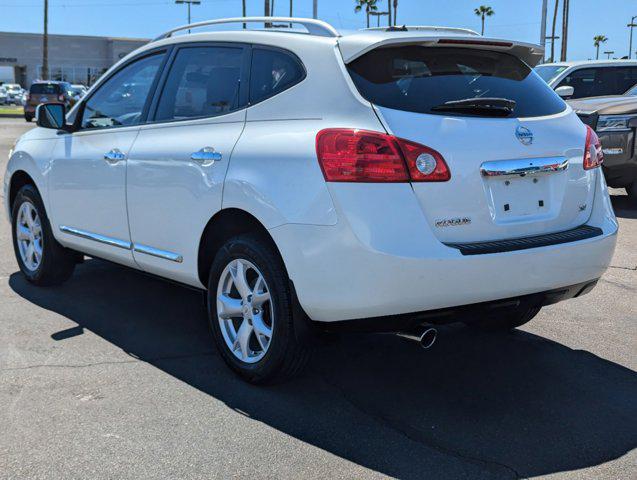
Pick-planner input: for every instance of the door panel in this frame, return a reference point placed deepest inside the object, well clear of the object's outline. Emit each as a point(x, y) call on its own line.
point(171, 197)
point(88, 195)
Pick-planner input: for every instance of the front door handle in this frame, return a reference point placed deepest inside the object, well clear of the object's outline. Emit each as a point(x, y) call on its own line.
point(206, 156)
point(114, 156)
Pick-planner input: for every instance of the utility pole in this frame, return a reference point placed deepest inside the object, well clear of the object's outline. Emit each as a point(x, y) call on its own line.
point(45, 43)
point(609, 53)
point(564, 30)
point(315, 9)
point(630, 47)
point(378, 15)
point(543, 26)
point(552, 39)
point(188, 2)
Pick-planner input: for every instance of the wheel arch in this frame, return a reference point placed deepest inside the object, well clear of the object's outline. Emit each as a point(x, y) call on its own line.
point(223, 225)
point(19, 179)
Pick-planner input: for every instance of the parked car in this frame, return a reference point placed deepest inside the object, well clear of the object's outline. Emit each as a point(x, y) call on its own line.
point(589, 78)
point(3, 96)
point(378, 180)
point(614, 118)
point(78, 91)
point(14, 92)
point(47, 91)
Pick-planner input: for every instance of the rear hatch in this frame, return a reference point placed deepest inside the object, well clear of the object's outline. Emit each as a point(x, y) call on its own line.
point(513, 147)
point(44, 93)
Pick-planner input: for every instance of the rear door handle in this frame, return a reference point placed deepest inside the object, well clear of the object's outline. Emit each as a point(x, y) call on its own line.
point(114, 156)
point(206, 156)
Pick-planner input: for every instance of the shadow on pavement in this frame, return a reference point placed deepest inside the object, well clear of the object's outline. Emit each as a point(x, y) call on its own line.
point(505, 405)
point(622, 206)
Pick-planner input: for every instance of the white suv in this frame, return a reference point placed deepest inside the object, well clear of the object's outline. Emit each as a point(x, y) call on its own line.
point(308, 181)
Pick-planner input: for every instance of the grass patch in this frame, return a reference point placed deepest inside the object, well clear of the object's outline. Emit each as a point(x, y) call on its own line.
point(11, 110)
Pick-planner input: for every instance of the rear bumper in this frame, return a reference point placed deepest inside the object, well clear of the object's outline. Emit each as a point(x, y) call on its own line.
point(394, 265)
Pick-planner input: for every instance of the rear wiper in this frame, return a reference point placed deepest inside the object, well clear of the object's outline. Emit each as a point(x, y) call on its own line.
point(491, 106)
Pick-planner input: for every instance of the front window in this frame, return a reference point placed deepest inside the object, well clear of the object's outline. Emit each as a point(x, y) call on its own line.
point(548, 73)
point(458, 81)
point(120, 100)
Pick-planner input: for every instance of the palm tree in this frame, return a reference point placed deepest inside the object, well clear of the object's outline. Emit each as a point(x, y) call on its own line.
point(389, 24)
point(597, 41)
point(368, 5)
point(484, 11)
point(395, 11)
point(557, 3)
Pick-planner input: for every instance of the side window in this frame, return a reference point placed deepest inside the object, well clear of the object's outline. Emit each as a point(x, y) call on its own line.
point(272, 72)
point(202, 82)
point(586, 82)
point(620, 79)
point(121, 99)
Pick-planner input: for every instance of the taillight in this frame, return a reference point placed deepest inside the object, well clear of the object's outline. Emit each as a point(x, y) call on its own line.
point(28, 97)
point(595, 158)
point(349, 155)
point(60, 97)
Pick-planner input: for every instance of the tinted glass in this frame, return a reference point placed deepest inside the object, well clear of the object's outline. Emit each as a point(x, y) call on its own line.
point(416, 78)
point(549, 72)
point(120, 100)
point(272, 72)
point(45, 89)
point(596, 82)
point(203, 82)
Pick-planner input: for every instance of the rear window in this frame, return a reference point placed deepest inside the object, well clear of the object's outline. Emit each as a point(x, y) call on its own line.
point(45, 88)
point(417, 79)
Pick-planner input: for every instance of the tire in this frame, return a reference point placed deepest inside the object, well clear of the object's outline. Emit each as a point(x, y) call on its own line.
point(28, 118)
point(257, 359)
point(56, 263)
point(505, 320)
point(632, 193)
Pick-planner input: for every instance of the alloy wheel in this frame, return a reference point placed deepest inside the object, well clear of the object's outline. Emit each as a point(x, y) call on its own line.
point(244, 310)
point(29, 236)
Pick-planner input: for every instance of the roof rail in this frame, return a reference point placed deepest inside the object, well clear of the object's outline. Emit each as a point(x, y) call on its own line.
point(314, 27)
point(416, 28)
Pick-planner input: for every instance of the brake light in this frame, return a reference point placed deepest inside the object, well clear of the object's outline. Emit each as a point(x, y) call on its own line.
point(350, 155)
point(61, 97)
point(596, 158)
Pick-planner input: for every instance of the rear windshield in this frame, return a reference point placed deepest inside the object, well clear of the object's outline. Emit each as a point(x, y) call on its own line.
point(46, 88)
point(417, 79)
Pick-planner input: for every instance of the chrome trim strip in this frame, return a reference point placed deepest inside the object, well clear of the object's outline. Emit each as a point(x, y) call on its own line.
point(96, 237)
point(156, 252)
point(523, 167)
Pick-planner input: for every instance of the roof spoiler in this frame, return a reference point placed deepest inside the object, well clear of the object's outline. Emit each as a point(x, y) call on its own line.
point(354, 46)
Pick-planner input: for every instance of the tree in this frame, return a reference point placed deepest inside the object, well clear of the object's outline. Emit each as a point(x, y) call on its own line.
point(484, 11)
point(368, 5)
point(597, 41)
point(395, 11)
point(557, 3)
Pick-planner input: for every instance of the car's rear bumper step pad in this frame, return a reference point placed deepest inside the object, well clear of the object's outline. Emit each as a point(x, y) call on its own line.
point(479, 248)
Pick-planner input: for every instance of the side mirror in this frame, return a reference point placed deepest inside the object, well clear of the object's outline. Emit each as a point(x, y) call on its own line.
point(565, 91)
point(51, 115)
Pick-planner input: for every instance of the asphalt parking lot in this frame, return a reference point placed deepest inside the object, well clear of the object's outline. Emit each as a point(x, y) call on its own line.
point(113, 375)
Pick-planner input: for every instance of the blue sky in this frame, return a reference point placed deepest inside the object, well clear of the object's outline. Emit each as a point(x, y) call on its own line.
point(514, 19)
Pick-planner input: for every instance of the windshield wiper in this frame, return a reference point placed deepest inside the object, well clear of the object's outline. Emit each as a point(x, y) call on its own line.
point(489, 106)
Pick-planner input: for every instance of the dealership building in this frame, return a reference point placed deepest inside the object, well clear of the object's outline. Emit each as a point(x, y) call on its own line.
point(72, 58)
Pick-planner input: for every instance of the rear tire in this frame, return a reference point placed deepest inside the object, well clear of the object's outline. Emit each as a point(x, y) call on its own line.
point(504, 320)
point(252, 320)
point(28, 118)
point(42, 260)
point(632, 193)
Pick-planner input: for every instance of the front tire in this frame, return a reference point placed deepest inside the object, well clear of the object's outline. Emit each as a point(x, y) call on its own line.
point(505, 320)
point(42, 260)
point(28, 118)
point(250, 312)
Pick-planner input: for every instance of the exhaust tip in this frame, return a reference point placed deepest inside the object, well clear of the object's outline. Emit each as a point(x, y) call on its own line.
point(428, 338)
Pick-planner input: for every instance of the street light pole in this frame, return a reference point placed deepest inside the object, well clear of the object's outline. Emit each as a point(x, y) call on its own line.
point(315, 9)
point(45, 43)
point(188, 2)
point(543, 25)
point(609, 53)
point(631, 25)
